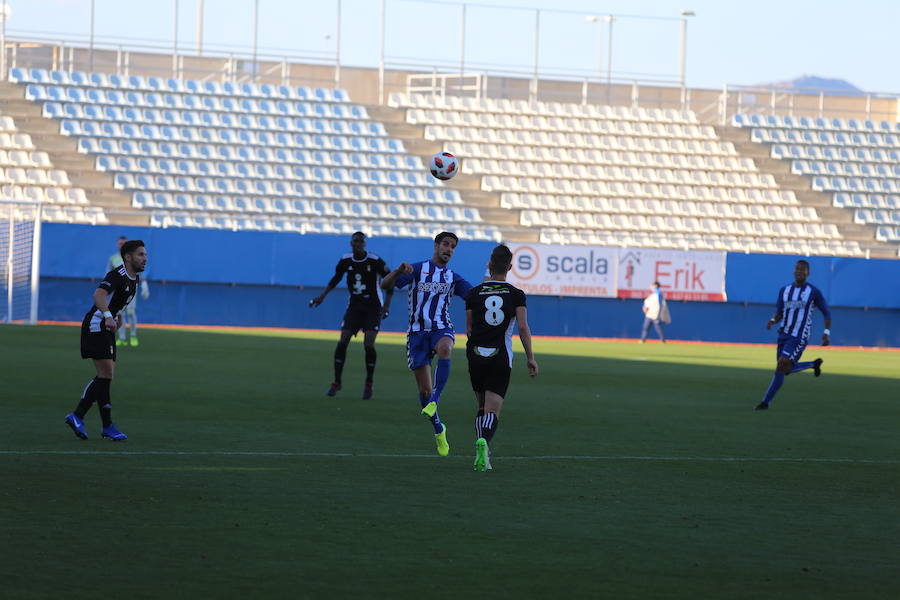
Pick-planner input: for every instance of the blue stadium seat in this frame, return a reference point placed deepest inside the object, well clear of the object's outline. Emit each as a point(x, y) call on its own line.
point(39, 76)
point(19, 76)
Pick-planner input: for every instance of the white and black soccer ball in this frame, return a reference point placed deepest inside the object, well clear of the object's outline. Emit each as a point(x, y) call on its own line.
point(444, 166)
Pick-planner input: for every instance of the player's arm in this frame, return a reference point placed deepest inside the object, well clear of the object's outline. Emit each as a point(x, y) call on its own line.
point(101, 301)
point(386, 307)
point(819, 301)
point(779, 310)
point(461, 287)
point(389, 294)
point(391, 278)
point(471, 301)
point(525, 336)
point(145, 288)
point(332, 283)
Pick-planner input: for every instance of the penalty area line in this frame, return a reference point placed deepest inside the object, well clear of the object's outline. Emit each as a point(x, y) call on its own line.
point(572, 457)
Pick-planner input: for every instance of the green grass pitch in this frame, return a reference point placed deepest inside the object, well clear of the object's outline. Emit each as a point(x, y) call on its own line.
point(622, 471)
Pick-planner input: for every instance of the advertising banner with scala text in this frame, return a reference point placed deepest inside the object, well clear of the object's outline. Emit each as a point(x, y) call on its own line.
point(558, 270)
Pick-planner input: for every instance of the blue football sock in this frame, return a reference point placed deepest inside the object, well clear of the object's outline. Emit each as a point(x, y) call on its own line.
point(800, 366)
point(441, 374)
point(777, 380)
point(435, 420)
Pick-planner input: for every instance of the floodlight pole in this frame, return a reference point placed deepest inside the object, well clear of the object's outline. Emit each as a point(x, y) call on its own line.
point(3, 41)
point(199, 27)
point(381, 59)
point(337, 49)
point(175, 45)
point(609, 19)
point(462, 49)
point(683, 54)
point(595, 19)
point(255, 37)
point(91, 40)
point(537, 46)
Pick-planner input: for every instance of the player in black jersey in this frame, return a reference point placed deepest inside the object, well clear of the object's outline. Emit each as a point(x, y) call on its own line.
point(492, 308)
point(364, 309)
point(98, 341)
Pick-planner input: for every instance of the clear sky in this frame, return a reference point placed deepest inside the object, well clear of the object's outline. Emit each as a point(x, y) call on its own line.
point(729, 41)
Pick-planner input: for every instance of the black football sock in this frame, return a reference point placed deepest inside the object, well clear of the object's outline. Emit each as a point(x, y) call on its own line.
point(103, 403)
point(489, 424)
point(478, 418)
point(87, 398)
point(371, 357)
point(340, 355)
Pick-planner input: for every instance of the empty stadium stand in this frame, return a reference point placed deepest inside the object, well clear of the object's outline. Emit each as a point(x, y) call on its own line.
point(622, 176)
point(27, 174)
point(850, 167)
point(178, 153)
point(193, 154)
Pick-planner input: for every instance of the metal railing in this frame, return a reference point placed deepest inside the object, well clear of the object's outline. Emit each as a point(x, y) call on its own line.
point(370, 85)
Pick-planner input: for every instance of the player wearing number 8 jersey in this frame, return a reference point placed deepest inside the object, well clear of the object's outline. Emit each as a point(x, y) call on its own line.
point(431, 286)
point(493, 308)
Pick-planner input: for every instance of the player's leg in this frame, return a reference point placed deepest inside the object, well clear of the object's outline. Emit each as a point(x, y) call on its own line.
point(101, 347)
point(815, 365)
point(479, 400)
point(131, 311)
point(122, 331)
point(423, 383)
point(370, 333)
point(75, 419)
point(349, 327)
point(418, 352)
point(787, 349)
point(444, 349)
point(105, 370)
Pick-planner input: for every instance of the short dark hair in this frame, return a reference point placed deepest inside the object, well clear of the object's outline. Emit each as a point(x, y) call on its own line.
point(130, 246)
point(656, 283)
point(358, 234)
point(501, 259)
point(803, 262)
point(445, 234)
point(122, 237)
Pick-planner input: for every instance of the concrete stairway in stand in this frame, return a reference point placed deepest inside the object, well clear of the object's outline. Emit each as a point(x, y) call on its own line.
point(63, 154)
point(468, 185)
point(802, 188)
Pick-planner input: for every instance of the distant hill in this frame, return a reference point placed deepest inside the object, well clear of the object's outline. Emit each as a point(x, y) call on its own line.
point(810, 84)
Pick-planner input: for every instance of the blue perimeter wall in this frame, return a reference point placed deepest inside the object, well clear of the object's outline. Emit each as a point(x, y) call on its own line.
point(211, 277)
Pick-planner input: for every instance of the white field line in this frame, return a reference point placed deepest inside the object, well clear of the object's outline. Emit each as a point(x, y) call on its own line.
point(380, 455)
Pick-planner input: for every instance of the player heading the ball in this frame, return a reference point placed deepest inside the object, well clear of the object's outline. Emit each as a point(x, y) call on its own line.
point(431, 286)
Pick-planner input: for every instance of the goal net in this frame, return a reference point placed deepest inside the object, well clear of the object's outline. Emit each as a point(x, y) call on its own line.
point(20, 243)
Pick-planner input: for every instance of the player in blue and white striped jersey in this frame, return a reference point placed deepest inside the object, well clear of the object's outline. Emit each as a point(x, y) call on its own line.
point(432, 285)
point(795, 307)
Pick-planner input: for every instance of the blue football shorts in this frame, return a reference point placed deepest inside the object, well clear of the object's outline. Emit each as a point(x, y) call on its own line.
point(790, 346)
point(420, 346)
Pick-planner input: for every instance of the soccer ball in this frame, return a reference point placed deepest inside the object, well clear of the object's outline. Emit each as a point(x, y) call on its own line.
point(444, 166)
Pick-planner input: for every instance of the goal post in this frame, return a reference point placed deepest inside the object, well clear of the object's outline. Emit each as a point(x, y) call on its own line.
point(20, 255)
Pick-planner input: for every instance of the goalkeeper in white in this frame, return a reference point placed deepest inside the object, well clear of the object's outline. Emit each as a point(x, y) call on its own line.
point(129, 315)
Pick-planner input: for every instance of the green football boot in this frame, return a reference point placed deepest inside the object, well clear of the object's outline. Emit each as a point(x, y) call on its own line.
point(440, 439)
point(481, 454)
point(429, 409)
